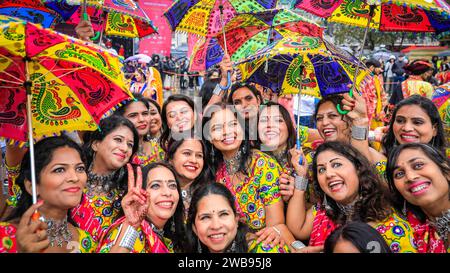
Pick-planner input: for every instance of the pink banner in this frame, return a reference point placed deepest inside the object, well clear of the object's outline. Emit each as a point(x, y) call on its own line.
point(157, 43)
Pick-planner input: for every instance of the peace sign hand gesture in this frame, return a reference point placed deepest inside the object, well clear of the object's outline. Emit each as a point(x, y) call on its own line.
point(134, 203)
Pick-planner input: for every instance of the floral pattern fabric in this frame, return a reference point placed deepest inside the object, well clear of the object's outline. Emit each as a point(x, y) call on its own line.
point(96, 213)
point(157, 155)
point(8, 243)
point(148, 241)
point(259, 189)
point(14, 191)
point(426, 238)
point(415, 85)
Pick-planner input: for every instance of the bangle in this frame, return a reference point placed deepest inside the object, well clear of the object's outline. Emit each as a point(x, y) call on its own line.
point(129, 238)
point(301, 183)
point(359, 133)
point(217, 90)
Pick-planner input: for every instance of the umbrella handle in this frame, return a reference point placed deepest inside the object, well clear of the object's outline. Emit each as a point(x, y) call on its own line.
point(228, 82)
point(338, 107)
point(300, 161)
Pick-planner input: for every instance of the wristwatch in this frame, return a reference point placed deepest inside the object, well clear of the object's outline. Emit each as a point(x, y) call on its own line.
point(301, 183)
point(297, 245)
point(359, 133)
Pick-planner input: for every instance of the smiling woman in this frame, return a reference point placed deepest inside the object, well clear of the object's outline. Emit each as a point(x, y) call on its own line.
point(61, 177)
point(107, 150)
point(419, 176)
point(153, 221)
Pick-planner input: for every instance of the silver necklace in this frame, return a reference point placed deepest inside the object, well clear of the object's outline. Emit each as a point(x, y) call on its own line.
point(442, 225)
point(281, 158)
point(159, 232)
point(100, 183)
point(57, 231)
point(232, 164)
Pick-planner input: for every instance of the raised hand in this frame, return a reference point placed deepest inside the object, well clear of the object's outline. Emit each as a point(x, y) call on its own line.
point(356, 106)
point(286, 186)
point(296, 154)
point(84, 30)
point(135, 202)
point(31, 234)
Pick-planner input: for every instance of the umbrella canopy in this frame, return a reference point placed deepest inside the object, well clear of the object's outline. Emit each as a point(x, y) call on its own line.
point(206, 53)
point(202, 17)
point(399, 15)
point(125, 19)
point(309, 64)
point(248, 32)
point(71, 84)
point(29, 10)
point(141, 58)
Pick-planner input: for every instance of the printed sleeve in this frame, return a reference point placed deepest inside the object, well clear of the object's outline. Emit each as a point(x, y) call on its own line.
point(269, 187)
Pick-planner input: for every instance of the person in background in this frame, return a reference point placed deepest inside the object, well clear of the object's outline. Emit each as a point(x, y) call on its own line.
point(420, 72)
point(389, 74)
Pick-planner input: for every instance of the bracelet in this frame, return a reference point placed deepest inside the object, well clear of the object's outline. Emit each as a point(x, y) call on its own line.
point(371, 136)
point(359, 133)
point(217, 90)
point(301, 183)
point(129, 238)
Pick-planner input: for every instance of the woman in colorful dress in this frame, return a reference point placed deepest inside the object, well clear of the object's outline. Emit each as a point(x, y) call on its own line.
point(419, 176)
point(352, 128)
point(276, 135)
point(348, 190)
point(415, 119)
point(178, 119)
point(251, 175)
point(60, 178)
point(187, 156)
point(108, 150)
point(214, 227)
point(139, 113)
point(153, 221)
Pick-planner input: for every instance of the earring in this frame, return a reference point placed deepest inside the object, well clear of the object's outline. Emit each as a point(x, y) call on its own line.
point(325, 202)
point(199, 246)
point(432, 141)
point(233, 247)
point(404, 207)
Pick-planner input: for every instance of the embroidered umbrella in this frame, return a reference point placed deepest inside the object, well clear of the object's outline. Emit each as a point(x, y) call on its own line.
point(302, 64)
point(387, 15)
point(246, 33)
point(115, 18)
point(50, 83)
point(207, 17)
point(384, 15)
point(29, 10)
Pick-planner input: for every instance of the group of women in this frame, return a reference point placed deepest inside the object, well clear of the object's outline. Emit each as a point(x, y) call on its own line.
point(231, 177)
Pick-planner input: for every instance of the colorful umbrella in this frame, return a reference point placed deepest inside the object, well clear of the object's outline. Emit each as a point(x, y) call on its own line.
point(208, 17)
point(116, 18)
point(206, 53)
point(441, 98)
point(29, 10)
point(246, 33)
point(50, 83)
point(302, 64)
point(140, 58)
point(398, 15)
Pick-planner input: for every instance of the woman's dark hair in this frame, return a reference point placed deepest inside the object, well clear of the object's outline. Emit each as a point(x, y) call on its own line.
point(158, 108)
point(216, 155)
point(199, 194)
point(361, 235)
point(43, 155)
point(335, 99)
point(137, 97)
point(107, 126)
point(432, 153)
point(139, 70)
point(206, 91)
point(166, 134)
point(205, 175)
point(373, 202)
point(174, 228)
point(238, 85)
point(291, 141)
point(389, 141)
